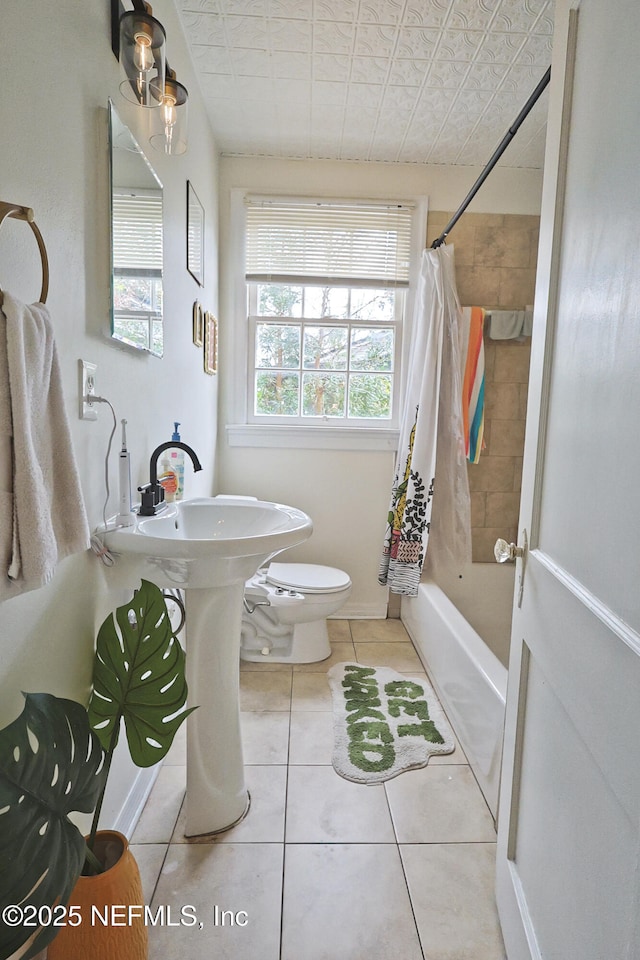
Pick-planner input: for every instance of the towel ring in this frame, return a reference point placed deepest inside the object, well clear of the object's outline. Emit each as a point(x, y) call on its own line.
point(26, 213)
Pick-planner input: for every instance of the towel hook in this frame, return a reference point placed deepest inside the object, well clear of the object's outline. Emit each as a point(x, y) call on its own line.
point(26, 213)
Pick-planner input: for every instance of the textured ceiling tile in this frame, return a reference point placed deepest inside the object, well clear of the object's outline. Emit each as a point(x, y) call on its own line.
point(499, 108)
point(400, 98)
point(460, 45)
point(521, 80)
point(537, 49)
point(518, 16)
point(470, 105)
point(329, 67)
point(421, 136)
point(417, 42)
point(341, 11)
point(432, 14)
point(545, 24)
point(293, 91)
point(217, 87)
point(450, 140)
point(333, 38)
point(369, 70)
point(434, 105)
point(352, 150)
point(294, 66)
point(374, 41)
point(256, 8)
point(443, 153)
point(486, 76)
point(412, 154)
point(448, 74)
point(361, 120)
point(409, 72)
point(253, 88)
point(203, 6)
point(296, 147)
point(249, 32)
point(472, 16)
point(380, 11)
point(395, 115)
point(383, 151)
point(250, 63)
point(290, 35)
point(259, 114)
point(500, 47)
point(212, 60)
point(326, 123)
point(204, 28)
point(476, 150)
point(366, 94)
point(296, 115)
point(292, 9)
point(329, 92)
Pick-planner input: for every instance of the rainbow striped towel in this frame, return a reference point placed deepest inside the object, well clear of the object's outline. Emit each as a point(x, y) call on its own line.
point(473, 382)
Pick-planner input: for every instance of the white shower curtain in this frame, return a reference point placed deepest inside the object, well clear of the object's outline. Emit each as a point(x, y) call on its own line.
point(431, 458)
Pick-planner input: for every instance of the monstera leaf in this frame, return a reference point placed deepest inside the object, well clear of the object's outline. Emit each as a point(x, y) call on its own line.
point(50, 765)
point(139, 675)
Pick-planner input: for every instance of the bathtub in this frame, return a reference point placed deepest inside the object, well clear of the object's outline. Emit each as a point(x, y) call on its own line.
point(468, 677)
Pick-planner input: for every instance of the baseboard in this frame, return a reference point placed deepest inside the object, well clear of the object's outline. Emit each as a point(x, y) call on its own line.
point(137, 797)
point(362, 611)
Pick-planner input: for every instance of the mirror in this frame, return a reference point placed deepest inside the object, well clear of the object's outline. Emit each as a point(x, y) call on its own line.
point(136, 242)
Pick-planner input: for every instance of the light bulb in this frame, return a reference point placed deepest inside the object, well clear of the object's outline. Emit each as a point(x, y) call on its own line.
point(169, 113)
point(143, 54)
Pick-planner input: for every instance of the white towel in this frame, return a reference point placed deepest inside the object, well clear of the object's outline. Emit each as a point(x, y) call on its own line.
point(510, 324)
point(42, 514)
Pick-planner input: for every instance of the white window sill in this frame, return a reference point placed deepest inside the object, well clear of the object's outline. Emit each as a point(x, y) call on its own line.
point(287, 436)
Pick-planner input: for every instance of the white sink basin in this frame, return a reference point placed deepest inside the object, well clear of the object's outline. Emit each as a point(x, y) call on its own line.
point(210, 546)
point(209, 541)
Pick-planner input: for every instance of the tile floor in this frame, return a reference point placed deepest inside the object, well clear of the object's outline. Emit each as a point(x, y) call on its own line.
point(321, 868)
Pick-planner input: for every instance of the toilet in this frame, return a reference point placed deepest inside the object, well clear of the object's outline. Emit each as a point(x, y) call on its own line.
point(285, 610)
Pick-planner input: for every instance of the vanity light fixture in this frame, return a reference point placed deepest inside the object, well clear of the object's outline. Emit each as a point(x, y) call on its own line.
point(169, 123)
point(142, 57)
point(138, 41)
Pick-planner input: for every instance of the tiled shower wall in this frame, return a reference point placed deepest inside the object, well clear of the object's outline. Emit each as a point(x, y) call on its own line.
point(495, 257)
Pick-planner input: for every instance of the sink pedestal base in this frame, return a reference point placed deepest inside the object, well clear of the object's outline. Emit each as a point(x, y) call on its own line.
point(216, 792)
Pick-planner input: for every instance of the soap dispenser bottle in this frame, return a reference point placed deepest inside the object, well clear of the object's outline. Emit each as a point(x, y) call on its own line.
point(176, 458)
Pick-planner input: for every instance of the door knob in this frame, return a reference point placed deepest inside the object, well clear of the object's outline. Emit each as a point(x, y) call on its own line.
point(504, 551)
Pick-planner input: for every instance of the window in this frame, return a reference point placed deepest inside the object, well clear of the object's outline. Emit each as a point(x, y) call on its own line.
point(326, 292)
point(323, 351)
point(137, 267)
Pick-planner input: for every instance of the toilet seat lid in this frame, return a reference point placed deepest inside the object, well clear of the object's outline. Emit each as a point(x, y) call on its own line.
point(307, 577)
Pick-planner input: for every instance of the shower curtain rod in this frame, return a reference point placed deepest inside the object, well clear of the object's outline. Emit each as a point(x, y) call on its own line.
point(504, 143)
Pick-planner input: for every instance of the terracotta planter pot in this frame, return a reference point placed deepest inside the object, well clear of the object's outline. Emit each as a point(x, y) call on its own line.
point(109, 929)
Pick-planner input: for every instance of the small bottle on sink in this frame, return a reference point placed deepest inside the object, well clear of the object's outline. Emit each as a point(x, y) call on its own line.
point(176, 461)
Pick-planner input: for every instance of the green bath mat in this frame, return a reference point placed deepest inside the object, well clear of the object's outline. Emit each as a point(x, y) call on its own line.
point(383, 723)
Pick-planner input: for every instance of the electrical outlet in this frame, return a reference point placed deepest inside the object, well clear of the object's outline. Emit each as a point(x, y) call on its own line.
point(88, 410)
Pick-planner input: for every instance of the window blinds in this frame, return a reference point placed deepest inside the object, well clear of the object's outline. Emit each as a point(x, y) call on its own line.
point(324, 241)
point(137, 234)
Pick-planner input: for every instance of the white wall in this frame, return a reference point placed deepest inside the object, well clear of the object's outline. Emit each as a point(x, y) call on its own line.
point(57, 71)
point(346, 493)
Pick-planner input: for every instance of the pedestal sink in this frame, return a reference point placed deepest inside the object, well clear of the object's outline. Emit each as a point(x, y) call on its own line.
point(209, 547)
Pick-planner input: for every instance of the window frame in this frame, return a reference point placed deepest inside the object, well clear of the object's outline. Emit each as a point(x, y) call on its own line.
point(245, 430)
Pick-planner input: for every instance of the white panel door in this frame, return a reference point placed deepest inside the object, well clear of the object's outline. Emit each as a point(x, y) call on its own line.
point(568, 871)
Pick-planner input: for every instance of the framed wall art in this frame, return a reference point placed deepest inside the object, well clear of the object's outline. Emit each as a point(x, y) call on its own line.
point(198, 324)
point(210, 344)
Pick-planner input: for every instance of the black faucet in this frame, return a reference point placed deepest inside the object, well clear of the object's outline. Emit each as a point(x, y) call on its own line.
point(153, 492)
